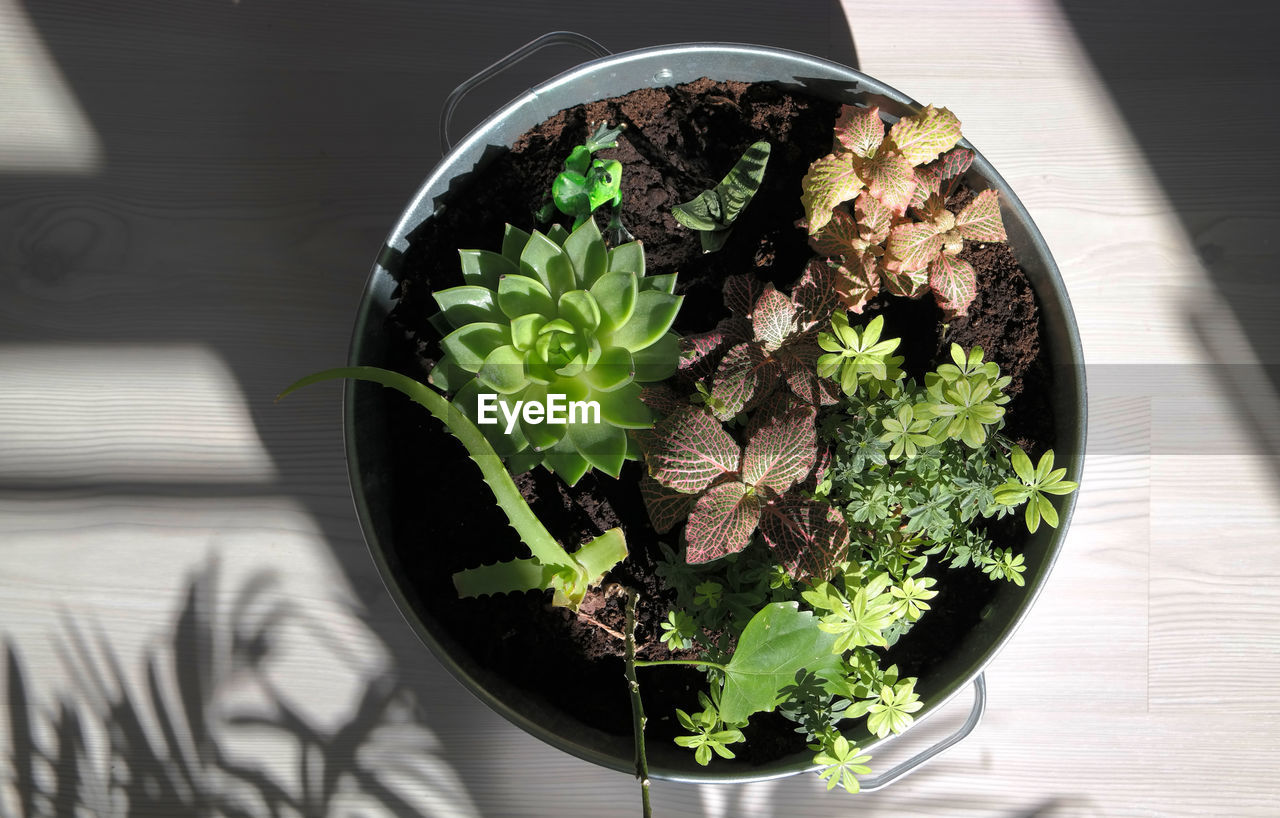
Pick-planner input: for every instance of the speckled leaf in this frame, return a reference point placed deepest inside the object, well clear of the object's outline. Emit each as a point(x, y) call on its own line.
point(721, 522)
point(840, 237)
point(741, 292)
point(953, 284)
point(913, 245)
point(781, 453)
point(859, 281)
point(740, 379)
point(921, 137)
point(667, 508)
point(773, 318)
point(808, 537)
point(689, 449)
point(830, 181)
point(860, 130)
point(980, 220)
point(890, 179)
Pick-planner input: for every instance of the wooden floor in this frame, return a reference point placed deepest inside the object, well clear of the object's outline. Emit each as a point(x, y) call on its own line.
point(191, 195)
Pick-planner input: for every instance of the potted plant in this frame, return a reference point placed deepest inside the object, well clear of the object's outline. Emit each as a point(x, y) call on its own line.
point(818, 371)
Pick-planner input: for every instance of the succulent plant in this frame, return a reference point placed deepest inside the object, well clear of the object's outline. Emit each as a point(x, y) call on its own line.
point(557, 314)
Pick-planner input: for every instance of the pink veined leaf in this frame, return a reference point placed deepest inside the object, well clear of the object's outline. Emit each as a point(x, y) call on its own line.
point(808, 537)
point(821, 463)
point(873, 217)
point(799, 361)
point(741, 292)
point(689, 449)
point(779, 454)
point(721, 522)
point(910, 284)
point(662, 399)
point(921, 137)
point(859, 281)
point(860, 130)
point(980, 219)
point(745, 376)
point(830, 181)
point(840, 237)
point(815, 293)
point(953, 283)
point(773, 318)
point(667, 508)
point(953, 163)
point(913, 245)
point(891, 179)
point(770, 409)
point(700, 354)
point(928, 183)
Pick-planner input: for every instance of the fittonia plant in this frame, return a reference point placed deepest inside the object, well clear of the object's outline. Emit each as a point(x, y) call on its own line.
point(558, 314)
point(898, 234)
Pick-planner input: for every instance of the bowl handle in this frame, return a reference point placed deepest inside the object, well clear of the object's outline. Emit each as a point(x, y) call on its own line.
point(879, 782)
point(550, 38)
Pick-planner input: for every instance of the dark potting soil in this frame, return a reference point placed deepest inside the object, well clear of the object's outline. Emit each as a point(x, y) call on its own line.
point(677, 142)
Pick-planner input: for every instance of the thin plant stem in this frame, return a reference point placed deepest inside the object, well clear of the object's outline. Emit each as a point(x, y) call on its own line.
point(637, 707)
point(691, 662)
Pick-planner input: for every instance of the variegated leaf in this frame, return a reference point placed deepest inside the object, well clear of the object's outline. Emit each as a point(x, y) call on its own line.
point(953, 283)
point(873, 217)
point(841, 236)
point(721, 522)
point(799, 361)
point(921, 137)
point(830, 181)
point(689, 449)
point(913, 245)
point(742, 379)
point(953, 163)
point(667, 508)
point(808, 537)
point(822, 462)
point(662, 399)
point(771, 408)
point(858, 281)
point(815, 293)
point(741, 292)
point(773, 318)
point(860, 130)
point(782, 452)
point(909, 284)
point(980, 220)
point(701, 353)
point(891, 179)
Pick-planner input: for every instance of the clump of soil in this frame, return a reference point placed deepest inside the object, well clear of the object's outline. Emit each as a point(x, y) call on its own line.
point(678, 142)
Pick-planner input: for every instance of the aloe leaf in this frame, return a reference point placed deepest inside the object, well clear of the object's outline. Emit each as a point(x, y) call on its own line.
point(658, 361)
point(615, 295)
point(503, 371)
point(602, 445)
point(546, 261)
point(521, 295)
point(513, 241)
point(627, 258)
point(587, 252)
point(580, 309)
point(623, 407)
point(665, 283)
point(470, 345)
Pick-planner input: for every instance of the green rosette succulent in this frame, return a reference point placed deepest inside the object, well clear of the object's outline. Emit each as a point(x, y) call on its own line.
point(557, 314)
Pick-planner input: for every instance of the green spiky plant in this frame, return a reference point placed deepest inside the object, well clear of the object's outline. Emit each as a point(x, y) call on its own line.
point(550, 567)
point(713, 212)
point(558, 313)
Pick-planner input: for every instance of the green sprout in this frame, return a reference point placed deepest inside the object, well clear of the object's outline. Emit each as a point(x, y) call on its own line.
point(1035, 484)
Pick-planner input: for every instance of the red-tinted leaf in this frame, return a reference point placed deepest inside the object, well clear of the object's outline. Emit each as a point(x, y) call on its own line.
point(667, 508)
point(830, 181)
point(841, 236)
point(911, 284)
point(953, 284)
point(808, 537)
point(799, 361)
point(662, 399)
point(913, 245)
point(859, 281)
point(741, 293)
point(891, 179)
point(953, 163)
point(770, 409)
point(860, 130)
point(921, 137)
point(689, 449)
point(701, 353)
point(782, 452)
point(820, 466)
point(721, 522)
point(743, 377)
point(815, 293)
point(980, 220)
point(773, 318)
point(873, 217)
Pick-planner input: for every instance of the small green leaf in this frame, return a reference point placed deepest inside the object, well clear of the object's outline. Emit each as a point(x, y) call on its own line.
point(654, 311)
point(521, 295)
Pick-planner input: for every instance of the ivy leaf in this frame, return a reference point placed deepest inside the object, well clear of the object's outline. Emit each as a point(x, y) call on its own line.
point(830, 181)
point(891, 179)
point(807, 536)
point(689, 449)
point(778, 641)
point(773, 318)
point(953, 283)
point(921, 137)
point(667, 507)
point(914, 244)
point(782, 452)
point(721, 522)
point(860, 130)
point(743, 377)
point(980, 219)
